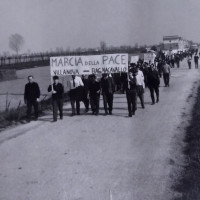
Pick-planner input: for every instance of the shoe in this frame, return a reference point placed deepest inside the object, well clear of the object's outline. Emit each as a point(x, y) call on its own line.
point(143, 106)
point(133, 113)
point(54, 121)
point(61, 118)
point(110, 112)
point(78, 113)
point(153, 103)
point(130, 115)
point(157, 101)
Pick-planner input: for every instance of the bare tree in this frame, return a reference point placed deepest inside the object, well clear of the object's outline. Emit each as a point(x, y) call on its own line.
point(103, 46)
point(136, 45)
point(16, 41)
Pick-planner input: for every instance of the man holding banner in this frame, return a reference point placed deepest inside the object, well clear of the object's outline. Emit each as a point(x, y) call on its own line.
point(91, 64)
point(107, 88)
point(76, 93)
point(57, 90)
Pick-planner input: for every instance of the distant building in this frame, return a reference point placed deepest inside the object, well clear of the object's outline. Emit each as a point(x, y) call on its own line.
point(175, 43)
point(194, 46)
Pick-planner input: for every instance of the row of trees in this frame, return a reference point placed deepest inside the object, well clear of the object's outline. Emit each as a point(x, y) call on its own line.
point(16, 42)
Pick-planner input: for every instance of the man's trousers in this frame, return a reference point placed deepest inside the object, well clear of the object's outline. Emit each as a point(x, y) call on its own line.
point(131, 96)
point(166, 79)
point(108, 102)
point(94, 102)
point(29, 108)
point(57, 105)
point(140, 94)
point(152, 90)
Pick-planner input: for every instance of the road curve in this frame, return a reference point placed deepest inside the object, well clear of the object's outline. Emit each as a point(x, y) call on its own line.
point(97, 157)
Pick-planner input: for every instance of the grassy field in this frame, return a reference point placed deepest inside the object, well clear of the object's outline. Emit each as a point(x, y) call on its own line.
point(12, 87)
point(189, 181)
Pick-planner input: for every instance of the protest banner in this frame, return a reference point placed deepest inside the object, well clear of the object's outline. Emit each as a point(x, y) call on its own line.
point(149, 57)
point(134, 59)
point(93, 64)
point(114, 63)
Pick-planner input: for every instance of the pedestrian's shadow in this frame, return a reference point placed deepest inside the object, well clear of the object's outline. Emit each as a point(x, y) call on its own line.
point(43, 119)
point(148, 103)
point(119, 108)
point(119, 115)
point(117, 97)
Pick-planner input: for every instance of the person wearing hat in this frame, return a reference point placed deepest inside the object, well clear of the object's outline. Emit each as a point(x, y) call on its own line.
point(153, 80)
point(57, 91)
point(94, 93)
point(107, 88)
point(131, 92)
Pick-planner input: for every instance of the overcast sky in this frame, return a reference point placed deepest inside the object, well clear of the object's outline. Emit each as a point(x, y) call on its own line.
point(47, 24)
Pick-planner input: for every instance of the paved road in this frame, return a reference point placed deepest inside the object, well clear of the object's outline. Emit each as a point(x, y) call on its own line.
point(97, 157)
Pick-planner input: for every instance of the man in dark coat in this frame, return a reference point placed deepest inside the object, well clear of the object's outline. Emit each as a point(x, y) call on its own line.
point(94, 92)
point(123, 79)
point(153, 81)
point(85, 95)
point(131, 92)
point(159, 67)
point(57, 90)
point(196, 60)
point(107, 88)
point(166, 73)
point(177, 60)
point(31, 97)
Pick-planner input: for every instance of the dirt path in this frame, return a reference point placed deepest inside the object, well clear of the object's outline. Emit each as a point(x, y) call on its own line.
point(97, 157)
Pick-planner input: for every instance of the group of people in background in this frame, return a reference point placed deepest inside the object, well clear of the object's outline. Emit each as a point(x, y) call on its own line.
point(88, 89)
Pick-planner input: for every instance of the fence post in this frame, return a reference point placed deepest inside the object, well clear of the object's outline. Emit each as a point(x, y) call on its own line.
point(7, 101)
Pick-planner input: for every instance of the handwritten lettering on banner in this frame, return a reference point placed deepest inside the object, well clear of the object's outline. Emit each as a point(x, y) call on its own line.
point(94, 64)
point(149, 57)
point(134, 59)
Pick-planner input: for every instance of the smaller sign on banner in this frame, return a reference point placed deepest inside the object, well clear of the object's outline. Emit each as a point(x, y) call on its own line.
point(114, 63)
point(149, 57)
point(134, 59)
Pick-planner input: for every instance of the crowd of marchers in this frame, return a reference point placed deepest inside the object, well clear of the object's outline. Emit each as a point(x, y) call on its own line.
point(88, 89)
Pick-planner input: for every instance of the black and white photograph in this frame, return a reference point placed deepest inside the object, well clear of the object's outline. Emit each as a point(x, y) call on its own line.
point(99, 100)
